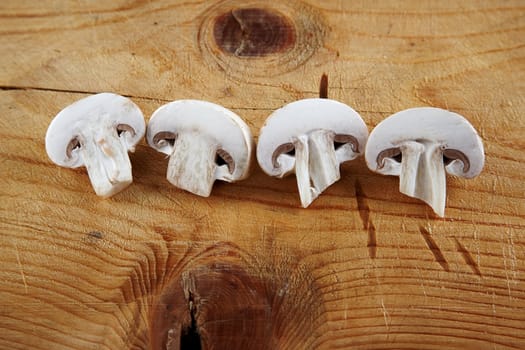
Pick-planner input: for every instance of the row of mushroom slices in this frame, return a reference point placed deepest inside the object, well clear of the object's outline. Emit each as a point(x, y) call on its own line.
point(311, 138)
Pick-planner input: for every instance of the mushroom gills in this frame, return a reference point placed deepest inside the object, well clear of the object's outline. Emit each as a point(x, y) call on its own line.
point(423, 173)
point(316, 165)
point(196, 162)
point(105, 156)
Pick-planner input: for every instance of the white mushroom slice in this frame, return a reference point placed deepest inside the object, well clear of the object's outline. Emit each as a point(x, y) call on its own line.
point(311, 138)
point(97, 132)
point(418, 145)
point(204, 141)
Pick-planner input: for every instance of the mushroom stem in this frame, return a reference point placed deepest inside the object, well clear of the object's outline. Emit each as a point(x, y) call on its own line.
point(423, 174)
point(192, 164)
point(106, 159)
point(302, 171)
point(316, 166)
point(324, 168)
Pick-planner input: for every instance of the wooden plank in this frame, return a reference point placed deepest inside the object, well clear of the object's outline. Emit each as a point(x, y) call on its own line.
point(247, 268)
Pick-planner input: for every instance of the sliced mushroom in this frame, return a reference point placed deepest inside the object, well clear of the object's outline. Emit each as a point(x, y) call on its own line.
point(97, 132)
point(418, 145)
point(205, 142)
point(311, 138)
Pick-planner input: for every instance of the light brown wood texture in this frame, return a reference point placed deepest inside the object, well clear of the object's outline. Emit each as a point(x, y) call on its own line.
point(364, 267)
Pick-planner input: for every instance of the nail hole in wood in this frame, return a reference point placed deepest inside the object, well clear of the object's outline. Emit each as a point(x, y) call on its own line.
point(323, 86)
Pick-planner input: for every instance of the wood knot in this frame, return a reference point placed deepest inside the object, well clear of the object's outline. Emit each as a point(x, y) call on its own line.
point(253, 32)
point(224, 299)
point(259, 38)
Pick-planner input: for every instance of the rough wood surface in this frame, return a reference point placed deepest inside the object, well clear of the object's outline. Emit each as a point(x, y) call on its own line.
point(364, 267)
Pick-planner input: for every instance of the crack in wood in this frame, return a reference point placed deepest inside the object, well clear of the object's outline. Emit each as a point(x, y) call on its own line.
point(467, 257)
point(432, 245)
point(190, 338)
point(364, 213)
point(147, 98)
point(72, 91)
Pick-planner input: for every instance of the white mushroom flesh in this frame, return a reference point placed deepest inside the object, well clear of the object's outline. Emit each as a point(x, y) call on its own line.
point(316, 164)
point(423, 173)
point(195, 135)
point(310, 128)
point(419, 145)
point(97, 132)
point(192, 163)
point(105, 156)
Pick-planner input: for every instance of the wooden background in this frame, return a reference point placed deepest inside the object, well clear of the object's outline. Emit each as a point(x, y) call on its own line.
point(364, 267)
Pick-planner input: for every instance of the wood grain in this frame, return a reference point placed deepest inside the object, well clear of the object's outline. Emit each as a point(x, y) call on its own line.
point(364, 267)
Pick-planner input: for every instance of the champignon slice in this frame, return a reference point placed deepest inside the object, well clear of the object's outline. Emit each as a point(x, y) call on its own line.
point(204, 141)
point(97, 132)
point(311, 138)
point(418, 145)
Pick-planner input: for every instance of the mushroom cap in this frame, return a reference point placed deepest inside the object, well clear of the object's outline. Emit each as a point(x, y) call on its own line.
point(225, 128)
point(70, 123)
point(428, 124)
point(301, 117)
